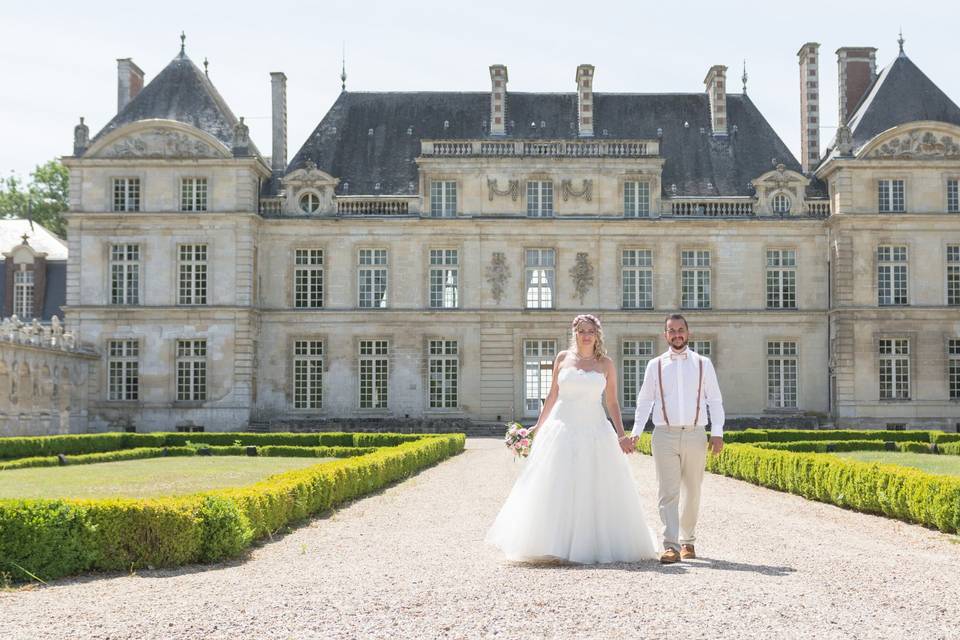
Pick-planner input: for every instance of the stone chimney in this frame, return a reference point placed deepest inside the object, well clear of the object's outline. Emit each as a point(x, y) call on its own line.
point(809, 58)
point(278, 83)
point(716, 85)
point(585, 100)
point(129, 82)
point(498, 100)
point(857, 67)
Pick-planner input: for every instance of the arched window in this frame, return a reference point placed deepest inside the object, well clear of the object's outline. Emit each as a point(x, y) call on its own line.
point(781, 204)
point(309, 202)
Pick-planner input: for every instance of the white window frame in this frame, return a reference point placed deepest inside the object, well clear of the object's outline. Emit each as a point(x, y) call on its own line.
point(309, 202)
point(780, 204)
point(953, 195)
point(894, 369)
point(540, 198)
point(123, 370)
point(443, 198)
point(891, 196)
point(636, 279)
point(308, 374)
point(781, 279)
point(635, 353)
point(308, 278)
point(538, 357)
point(125, 273)
point(782, 374)
point(192, 272)
point(373, 374)
point(703, 348)
point(191, 360)
point(893, 275)
point(953, 368)
point(443, 370)
point(194, 194)
point(444, 284)
point(953, 275)
point(125, 194)
point(540, 278)
point(24, 293)
point(636, 198)
point(695, 279)
point(372, 278)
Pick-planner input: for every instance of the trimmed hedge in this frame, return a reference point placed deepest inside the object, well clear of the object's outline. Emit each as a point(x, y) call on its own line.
point(54, 538)
point(790, 435)
point(827, 446)
point(950, 449)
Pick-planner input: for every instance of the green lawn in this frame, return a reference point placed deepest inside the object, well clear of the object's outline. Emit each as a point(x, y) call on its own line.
point(144, 478)
point(945, 465)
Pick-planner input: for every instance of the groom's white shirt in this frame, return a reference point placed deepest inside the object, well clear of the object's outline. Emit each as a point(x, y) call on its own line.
point(681, 377)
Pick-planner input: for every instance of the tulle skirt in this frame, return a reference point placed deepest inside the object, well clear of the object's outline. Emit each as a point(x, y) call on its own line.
point(575, 499)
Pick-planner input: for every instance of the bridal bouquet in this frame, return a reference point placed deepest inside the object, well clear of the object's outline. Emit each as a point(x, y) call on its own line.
point(518, 439)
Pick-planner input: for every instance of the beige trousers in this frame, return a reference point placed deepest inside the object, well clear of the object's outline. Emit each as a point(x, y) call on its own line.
point(679, 455)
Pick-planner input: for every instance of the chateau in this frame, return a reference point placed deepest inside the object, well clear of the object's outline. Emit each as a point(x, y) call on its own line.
point(422, 254)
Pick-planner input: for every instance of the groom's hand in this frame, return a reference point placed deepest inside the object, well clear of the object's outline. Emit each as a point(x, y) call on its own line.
point(626, 444)
point(716, 444)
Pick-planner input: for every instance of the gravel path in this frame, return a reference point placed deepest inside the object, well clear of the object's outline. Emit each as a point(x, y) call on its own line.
point(410, 562)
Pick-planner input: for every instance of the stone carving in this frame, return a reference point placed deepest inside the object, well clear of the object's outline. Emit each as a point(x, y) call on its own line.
point(586, 192)
point(844, 140)
point(582, 275)
point(81, 138)
point(498, 272)
point(919, 144)
point(241, 136)
point(512, 190)
point(160, 143)
point(13, 330)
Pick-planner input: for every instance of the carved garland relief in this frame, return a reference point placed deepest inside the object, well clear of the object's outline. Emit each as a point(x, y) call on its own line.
point(919, 144)
point(160, 143)
point(497, 273)
point(512, 190)
point(586, 192)
point(582, 275)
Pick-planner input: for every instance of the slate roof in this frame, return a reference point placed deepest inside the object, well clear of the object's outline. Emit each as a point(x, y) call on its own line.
point(698, 163)
point(901, 93)
point(40, 238)
point(183, 93)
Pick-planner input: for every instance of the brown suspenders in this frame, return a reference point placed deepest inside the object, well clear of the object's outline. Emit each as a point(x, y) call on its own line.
point(663, 402)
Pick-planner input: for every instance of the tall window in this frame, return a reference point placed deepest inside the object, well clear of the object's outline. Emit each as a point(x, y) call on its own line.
point(193, 194)
point(636, 276)
point(193, 274)
point(539, 198)
point(953, 196)
point(695, 279)
point(444, 278)
point(372, 277)
point(374, 370)
point(191, 370)
point(538, 358)
point(890, 196)
point(782, 375)
point(891, 275)
point(443, 198)
point(123, 370)
point(23, 294)
point(782, 279)
point(125, 274)
point(308, 278)
point(308, 374)
point(634, 358)
point(953, 368)
point(126, 194)
point(636, 199)
point(895, 369)
point(444, 371)
point(540, 276)
point(953, 274)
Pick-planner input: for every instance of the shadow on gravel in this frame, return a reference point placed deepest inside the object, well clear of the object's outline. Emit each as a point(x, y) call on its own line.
point(651, 566)
point(726, 565)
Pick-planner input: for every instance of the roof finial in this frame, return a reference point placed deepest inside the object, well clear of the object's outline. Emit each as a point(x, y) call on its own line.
point(900, 41)
point(183, 43)
point(744, 76)
point(343, 68)
point(206, 65)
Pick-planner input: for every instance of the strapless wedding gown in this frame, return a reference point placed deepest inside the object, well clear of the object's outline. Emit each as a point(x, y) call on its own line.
point(575, 499)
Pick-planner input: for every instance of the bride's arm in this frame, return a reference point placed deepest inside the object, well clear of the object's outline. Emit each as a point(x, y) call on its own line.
point(610, 395)
point(554, 390)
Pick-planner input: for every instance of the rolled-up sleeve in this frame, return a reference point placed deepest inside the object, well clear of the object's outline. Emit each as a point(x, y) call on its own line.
point(714, 399)
point(646, 397)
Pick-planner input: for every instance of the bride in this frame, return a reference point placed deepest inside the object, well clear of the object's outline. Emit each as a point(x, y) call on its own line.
point(575, 499)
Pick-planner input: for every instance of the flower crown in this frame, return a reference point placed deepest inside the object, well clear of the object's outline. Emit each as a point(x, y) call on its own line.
point(586, 317)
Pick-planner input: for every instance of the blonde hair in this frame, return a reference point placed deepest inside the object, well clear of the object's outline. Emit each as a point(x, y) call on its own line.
point(599, 349)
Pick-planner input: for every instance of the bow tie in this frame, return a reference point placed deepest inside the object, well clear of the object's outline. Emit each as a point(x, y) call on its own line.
point(678, 356)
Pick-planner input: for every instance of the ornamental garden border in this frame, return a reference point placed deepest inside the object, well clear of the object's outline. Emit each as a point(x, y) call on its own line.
point(43, 539)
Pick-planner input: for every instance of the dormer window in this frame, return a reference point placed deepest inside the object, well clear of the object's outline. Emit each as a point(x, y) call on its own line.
point(309, 202)
point(781, 204)
point(23, 294)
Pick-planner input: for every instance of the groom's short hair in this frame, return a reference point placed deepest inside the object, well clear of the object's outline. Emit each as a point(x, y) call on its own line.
point(675, 316)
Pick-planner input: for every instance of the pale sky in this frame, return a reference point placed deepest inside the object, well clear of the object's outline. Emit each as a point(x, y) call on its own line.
point(58, 59)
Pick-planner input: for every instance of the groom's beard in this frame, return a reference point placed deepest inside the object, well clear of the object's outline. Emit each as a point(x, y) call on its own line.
point(678, 347)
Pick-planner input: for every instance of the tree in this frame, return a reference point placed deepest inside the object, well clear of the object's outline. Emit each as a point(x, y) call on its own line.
point(45, 198)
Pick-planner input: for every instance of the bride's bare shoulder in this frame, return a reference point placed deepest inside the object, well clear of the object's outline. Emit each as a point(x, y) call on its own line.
point(562, 356)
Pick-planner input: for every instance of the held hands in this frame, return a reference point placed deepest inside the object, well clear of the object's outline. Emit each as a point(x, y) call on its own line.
point(716, 444)
point(627, 444)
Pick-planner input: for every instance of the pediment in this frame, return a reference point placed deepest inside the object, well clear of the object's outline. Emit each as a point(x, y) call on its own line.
point(152, 139)
point(310, 177)
point(781, 179)
point(915, 141)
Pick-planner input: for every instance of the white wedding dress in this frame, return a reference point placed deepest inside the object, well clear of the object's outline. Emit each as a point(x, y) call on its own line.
point(575, 499)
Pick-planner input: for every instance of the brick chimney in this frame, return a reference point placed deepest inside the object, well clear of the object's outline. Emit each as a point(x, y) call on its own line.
point(129, 82)
point(809, 58)
point(278, 85)
point(716, 85)
point(498, 100)
point(857, 67)
point(585, 111)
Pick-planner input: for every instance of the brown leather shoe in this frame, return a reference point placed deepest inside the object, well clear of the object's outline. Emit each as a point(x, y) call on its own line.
point(669, 556)
point(687, 552)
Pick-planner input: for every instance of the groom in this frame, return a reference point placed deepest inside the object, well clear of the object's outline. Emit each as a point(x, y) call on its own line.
point(679, 386)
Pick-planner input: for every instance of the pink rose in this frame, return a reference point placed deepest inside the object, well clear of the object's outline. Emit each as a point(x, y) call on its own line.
point(524, 443)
